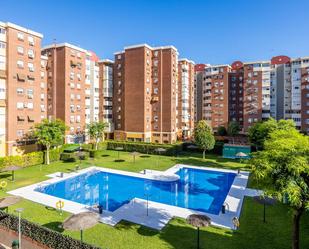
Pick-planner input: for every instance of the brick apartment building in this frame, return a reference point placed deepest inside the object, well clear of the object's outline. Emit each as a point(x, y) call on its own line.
point(185, 98)
point(256, 91)
point(145, 94)
point(67, 87)
point(22, 87)
point(106, 85)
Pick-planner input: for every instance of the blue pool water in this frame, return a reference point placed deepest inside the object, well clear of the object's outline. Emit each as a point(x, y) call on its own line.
point(196, 189)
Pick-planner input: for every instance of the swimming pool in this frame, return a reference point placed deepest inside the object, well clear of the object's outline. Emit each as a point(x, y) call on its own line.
point(197, 189)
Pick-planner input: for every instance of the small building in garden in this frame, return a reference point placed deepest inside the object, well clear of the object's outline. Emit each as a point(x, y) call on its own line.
point(234, 151)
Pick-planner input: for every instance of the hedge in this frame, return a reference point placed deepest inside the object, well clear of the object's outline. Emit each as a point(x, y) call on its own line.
point(146, 148)
point(218, 148)
point(42, 235)
point(30, 159)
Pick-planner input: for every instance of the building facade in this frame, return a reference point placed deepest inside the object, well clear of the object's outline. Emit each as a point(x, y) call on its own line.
point(145, 94)
point(185, 99)
point(256, 91)
point(68, 91)
point(22, 87)
point(106, 85)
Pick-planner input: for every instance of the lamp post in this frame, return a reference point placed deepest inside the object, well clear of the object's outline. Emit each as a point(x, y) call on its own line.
point(19, 211)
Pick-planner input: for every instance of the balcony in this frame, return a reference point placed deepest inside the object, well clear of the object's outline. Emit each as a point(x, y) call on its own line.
point(154, 99)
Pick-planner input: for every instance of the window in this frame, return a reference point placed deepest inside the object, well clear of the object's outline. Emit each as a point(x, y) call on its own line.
point(30, 93)
point(42, 85)
point(30, 105)
point(72, 76)
point(72, 96)
point(77, 119)
point(78, 96)
point(31, 40)
point(20, 36)
point(42, 108)
point(20, 91)
point(78, 86)
point(156, 90)
point(78, 76)
point(20, 133)
point(2, 45)
point(2, 31)
point(42, 96)
point(20, 105)
point(31, 67)
point(30, 53)
point(20, 64)
point(42, 75)
point(72, 119)
point(72, 85)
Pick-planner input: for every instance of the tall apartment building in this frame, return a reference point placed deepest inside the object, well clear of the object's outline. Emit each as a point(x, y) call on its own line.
point(145, 92)
point(68, 90)
point(92, 101)
point(290, 87)
point(257, 91)
point(185, 97)
point(212, 89)
point(106, 84)
point(22, 87)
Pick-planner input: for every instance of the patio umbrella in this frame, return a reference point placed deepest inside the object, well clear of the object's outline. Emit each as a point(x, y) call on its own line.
point(9, 201)
point(241, 155)
point(119, 149)
point(159, 150)
point(134, 154)
point(265, 201)
point(198, 220)
point(12, 168)
point(81, 221)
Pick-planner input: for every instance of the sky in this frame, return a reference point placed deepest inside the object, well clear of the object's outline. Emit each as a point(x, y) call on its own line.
point(215, 32)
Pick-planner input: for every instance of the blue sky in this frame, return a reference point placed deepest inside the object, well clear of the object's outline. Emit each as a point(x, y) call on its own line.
point(216, 32)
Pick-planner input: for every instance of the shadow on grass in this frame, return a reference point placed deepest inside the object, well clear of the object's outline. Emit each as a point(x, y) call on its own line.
point(55, 225)
point(144, 156)
point(5, 175)
point(119, 160)
point(105, 155)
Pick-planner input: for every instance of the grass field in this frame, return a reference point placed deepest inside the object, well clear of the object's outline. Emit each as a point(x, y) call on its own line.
point(253, 233)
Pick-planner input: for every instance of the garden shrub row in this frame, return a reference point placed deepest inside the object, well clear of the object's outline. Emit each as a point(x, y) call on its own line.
point(218, 148)
point(146, 148)
point(42, 235)
point(30, 159)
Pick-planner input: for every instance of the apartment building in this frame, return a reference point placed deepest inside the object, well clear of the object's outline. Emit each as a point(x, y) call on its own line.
point(145, 92)
point(106, 84)
point(22, 87)
point(290, 85)
point(257, 91)
point(68, 89)
point(92, 101)
point(185, 97)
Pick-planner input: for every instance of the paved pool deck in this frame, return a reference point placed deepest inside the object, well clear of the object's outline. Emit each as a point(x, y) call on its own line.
point(135, 211)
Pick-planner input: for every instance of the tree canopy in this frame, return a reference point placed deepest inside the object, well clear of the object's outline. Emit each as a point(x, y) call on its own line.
point(49, 133)
point(96, 132)
point(282, 169)
point(203, 136)
point(259, 132)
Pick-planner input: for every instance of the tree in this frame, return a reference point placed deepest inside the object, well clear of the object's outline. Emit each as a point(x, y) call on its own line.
point(50, 133)
point(96, 132)
point(233, 129)
point(282, 170)
point(221, 131)
point(204, 137)
point(260, 131)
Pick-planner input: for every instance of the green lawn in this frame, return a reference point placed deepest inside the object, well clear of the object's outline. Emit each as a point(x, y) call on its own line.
point(253, 233)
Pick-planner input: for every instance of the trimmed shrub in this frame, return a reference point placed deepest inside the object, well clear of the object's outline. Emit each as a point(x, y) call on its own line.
point(42, 235)
point(68, 157)
point(146, 148)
